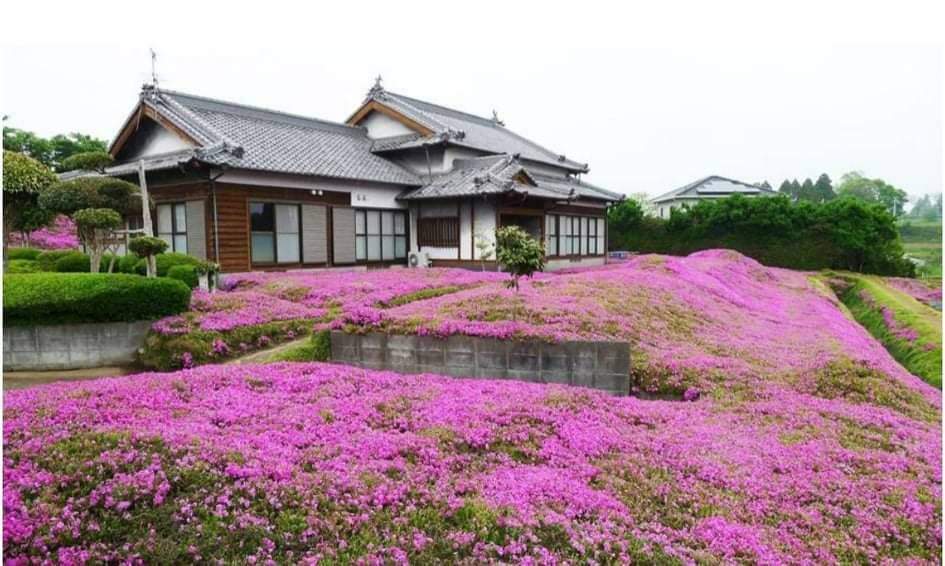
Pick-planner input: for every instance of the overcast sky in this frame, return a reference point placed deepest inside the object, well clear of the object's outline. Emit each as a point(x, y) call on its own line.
point(648, 115)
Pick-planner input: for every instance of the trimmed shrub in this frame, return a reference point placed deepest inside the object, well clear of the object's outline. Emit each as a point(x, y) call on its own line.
point(57, 298)
point(106, 259)
point(23, 253)
point(166, 261)
point(74, 262)
point(184, 273)
point(22, 266)
point(47, 260)
point(129, 264)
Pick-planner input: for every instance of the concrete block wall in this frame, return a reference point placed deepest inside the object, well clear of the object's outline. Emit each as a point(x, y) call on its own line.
point(599, 365)
point(72, 346)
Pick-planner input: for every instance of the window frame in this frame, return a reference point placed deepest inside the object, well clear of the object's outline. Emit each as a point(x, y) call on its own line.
point(275, 233)
point(174, 233)
point(570, 235)
point(381, 235)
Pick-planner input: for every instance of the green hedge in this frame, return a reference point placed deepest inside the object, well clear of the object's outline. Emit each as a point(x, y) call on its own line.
point(47, 260)
point(22, 266)
point(23, 253)
point(57, 298)
point(185, 273)
point(75, 262)
point(165, 262)
point(843, 233)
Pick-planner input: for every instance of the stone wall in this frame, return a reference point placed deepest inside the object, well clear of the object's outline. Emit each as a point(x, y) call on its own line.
point(72, 346)
point(600, 365)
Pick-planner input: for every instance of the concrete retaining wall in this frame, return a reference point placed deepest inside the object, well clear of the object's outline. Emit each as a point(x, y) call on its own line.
point(72, 346)
point(600, 365)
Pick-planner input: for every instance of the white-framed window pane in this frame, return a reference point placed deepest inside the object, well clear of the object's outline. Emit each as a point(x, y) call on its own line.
point(400, 246)
point(180, 218)
point(600, 245)
point(165, 220)
point(373, 246)
point(169, 239)
point(373, 222)
point(360, 247)
point(287, 219)
point(388, 247)
point(387, 222)
point(400, 223)
point(567, 245)
point(180, 243)
point(600, 227)
point(359, 222)
point(288, 247)
point(566, 225)
point(263, 248)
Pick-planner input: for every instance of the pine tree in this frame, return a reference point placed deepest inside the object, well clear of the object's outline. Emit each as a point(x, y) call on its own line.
point(823, 188)
point(807, 191)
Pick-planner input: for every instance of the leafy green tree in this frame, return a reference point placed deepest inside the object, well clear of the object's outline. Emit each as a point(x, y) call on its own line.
point(623, 218)
point(823, 189)
point(87, 161)
point(854, 184)
point(927, 208)
point(96, 228)
point(785, 188)
point(147, 247)
point(764, 185)
point(66, 197)
point(519, 253)
point(807, 191)
point(52, 151)
point(24, 179)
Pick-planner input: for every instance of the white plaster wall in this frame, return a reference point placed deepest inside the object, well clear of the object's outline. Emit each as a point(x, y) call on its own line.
point(451, 154)
point(159, 140)
point(363, 194)
point(484, 224)
point(440, 253)
point(416, 161)
point(382, 126)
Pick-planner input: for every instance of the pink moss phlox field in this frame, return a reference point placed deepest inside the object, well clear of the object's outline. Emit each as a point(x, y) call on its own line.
point(306, 463)
point(59, 235)
point(712, 317)
point(917, 289)
point(257, 298)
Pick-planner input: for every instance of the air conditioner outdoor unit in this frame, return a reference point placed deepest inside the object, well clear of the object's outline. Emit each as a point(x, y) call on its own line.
point(418, 259)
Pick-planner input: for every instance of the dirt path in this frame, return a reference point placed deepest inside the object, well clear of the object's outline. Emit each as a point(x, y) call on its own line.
point(263, 356)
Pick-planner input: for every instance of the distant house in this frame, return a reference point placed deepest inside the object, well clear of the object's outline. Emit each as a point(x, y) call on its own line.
point(257, 189)
point(711, 187)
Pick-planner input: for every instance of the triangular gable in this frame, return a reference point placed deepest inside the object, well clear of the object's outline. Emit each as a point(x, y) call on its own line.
point(142, 113)
point(374, 105)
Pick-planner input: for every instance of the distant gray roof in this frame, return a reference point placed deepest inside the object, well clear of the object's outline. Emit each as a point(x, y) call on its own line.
point(496, 174)
point(713, 186)
point(248, 137)
point(463, 129)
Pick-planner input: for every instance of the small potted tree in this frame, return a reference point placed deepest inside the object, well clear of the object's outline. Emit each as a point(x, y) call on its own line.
point(147, 247)
point(518, 253)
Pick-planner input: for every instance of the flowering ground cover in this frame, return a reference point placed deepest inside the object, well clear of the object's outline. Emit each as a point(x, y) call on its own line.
point(714, 321)
point(922, 290)
point(896, 312)
point(255, 310)
point(305, 463)
point(59, 235)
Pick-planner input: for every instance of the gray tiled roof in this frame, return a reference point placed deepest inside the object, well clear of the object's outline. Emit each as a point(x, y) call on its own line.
point(464, 129)
point(255, 138)
point(714, 185)
point(496, 174)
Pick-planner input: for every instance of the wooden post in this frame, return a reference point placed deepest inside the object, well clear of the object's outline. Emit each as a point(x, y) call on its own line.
point(146, 215)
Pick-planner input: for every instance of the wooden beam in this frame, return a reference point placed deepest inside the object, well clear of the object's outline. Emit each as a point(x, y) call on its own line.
point(129, 127)
point(375, 106)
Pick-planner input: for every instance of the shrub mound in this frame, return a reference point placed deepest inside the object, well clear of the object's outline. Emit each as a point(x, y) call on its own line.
point(23, 253)
point(73, 262)
point(56, 298)
point(185, 273)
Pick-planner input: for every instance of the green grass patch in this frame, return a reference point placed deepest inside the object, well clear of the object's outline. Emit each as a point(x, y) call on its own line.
point(866, 297)
point(315, 348)
point(421, 295)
